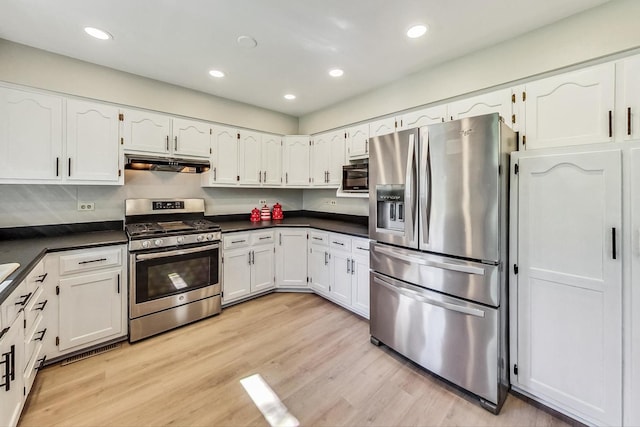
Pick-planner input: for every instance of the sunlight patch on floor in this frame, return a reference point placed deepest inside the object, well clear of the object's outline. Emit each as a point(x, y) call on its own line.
point(274, 411)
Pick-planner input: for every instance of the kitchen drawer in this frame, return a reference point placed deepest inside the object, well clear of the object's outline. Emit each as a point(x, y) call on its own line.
point(33, 339)
point(79, 261)
point(36, 276)
point(262, 237)
point(360, 246)
point(32, 366)
point(340, 242)
point(318, 238)
point(34, 307)
point(11, 307)
point(236, 240)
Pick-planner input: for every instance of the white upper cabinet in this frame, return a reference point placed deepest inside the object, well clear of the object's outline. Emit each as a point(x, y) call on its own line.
point(382, 126)
point(224, 165)
point(358, 141)
point(191, 138)
point(250, 158)
point(146, 132)
point(271, 160)
point(30, 135)
point(296, 155)
point(487, 103)
point(627, 118)
point(93, 149)
point(424, 117)
point(570, 109)
point(327, 158)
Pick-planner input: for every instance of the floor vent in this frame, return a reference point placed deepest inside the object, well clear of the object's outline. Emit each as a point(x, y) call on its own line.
point(90, 353)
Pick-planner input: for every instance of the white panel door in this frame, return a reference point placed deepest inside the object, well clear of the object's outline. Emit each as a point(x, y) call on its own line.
point(92, 142)
point(291, 258)
point(569, 282)
point(146, 132)
point(296, 155)
point(263, 264)
point(30, 135)
point(336, 158)
point(340, 289)
point(632, 410)
point(236, 270)
point(191, 138)
point(358, 141)
point(250, 158)
point(90, 308)
point(493, 102)
point(319, 270)
point(271, 160)
point(424, 117)
point(570, 109)
point(225, 156)
point(628, 102)
point(320, 156)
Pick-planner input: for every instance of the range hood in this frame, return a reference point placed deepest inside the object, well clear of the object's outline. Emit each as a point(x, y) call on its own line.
point(166, 164)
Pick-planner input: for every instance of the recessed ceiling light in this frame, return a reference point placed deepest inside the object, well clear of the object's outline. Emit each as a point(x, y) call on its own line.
point(247, 41)
point(336, 72)
point(98, 33)
point(416, 31)
point(289, 96)
point(216, 73)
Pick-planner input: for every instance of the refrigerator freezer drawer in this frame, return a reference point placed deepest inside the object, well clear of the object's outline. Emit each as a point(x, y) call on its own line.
point(464, 279)
point(454, 339)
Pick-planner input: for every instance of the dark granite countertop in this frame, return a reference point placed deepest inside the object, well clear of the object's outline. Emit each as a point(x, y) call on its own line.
point(29, 251)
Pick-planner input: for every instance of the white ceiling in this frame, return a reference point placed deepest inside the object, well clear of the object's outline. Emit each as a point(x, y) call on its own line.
point(298, 40)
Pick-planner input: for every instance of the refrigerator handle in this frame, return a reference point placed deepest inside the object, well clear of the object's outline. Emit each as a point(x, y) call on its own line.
point(425, 190)
point(430, 263)
point(410, 190)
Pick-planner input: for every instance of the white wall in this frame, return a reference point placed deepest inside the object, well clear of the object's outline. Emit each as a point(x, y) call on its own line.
point(320, 201)
point(24, 205)
point(37, 68)
point(596, 33)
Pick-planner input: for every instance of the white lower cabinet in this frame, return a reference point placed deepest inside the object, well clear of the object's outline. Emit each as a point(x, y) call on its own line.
point(318, 261)
point(291, 260)
point(12, 359)
point(568, 288)
point(632, 368)
point(248, 264)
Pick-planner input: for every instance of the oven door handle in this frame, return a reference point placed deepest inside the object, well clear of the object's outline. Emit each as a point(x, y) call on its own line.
point(178, 252)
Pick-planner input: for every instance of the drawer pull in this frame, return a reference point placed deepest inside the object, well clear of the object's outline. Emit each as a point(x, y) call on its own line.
point(42, 334)
point(317, 238)
point(338, 243)
point(42, 277)
point(362, 249)
point(238, 241)
point(25, 298)
point(42, 305)
point(40, 366)
point(93, 260)
point(264, 238)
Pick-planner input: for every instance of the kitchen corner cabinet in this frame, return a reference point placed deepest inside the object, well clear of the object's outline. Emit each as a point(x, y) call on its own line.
point(493, 102)
point(248, 264)
point(296, 156)
point(291, 260)
point(327, 158)
point(30, 136)
point(572, 108)
point(358, 142)
point(568, 289)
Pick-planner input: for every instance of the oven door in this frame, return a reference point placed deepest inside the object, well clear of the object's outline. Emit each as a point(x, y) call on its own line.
point(169, 278)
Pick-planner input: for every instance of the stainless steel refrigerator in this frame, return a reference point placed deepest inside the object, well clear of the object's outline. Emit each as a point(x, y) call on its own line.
point(438, 216)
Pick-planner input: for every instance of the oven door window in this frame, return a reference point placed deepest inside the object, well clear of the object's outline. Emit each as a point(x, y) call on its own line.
point(175, 274)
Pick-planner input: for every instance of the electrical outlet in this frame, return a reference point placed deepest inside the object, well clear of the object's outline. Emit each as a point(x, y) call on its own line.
point(332, 202)
point(262, 202)
point(86, 206)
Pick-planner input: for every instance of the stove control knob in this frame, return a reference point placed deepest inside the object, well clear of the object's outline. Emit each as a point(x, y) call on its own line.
point(145, 244)
point(158, 242)
point(180, 239)
point(210, 236)
point(200, 238)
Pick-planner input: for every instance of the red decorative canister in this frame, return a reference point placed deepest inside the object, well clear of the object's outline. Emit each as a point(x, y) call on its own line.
point(255, 215)
point(265, 213)
point(277, 211)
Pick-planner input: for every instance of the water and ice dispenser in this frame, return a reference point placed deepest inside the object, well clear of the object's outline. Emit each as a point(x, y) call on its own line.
point(391, 207)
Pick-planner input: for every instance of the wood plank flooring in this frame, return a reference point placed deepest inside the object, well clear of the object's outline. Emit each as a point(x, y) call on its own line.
point(315, 355)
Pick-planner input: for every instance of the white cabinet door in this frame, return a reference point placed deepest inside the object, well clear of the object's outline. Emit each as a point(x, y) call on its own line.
point(340, 289)
point(191, 138)
point(569, 282)
point(360, 279)
point(632, 409)
point(319, 270)
point(424, 117)
point(570, 109)
point(12, 361)
point(358, 141)
point(320, 156)
point(90, 308)
point(146, 132)
point(628, 99)
point(271, 160)
point(262, 269)
point(296, 159)
point(493, 102)
point(30, 135)
point(250, 158)
point(291, 258)
point(225, 156)
point(93, 149)
point(236, 270)
point(382, 126)
point(336, 158)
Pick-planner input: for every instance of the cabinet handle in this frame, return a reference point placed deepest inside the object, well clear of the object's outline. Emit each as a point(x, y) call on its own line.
point(362, 249)
point(353, 267)
point(25, 298)
point(337, 243)
point(286, 177)
point(610, 124)
point(613, 243)
point(93, 260)
point(42, 334)
point(259, 176)
point(41, 362)
point(366, 145)
point(167, 141)
point(175, 143)
point(326, 258)
point(69, 166)
point(316, 238)
point(249, 253)
point(215, 174)
point(118, 283)
point(238, 241)
point(264, 238)
point(629, 121)
point(57, 166)
point(12, 375)
point(265, 177)
point(280, 236)
point(42, 305)
point(42, 277)
point(253, 257)
point(7, 372)
point(348, 266)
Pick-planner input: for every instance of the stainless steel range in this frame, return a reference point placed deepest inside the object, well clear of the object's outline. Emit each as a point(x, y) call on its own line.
point(174, 264)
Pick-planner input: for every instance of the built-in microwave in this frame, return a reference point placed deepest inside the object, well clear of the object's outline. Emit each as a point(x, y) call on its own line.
point(355, 177)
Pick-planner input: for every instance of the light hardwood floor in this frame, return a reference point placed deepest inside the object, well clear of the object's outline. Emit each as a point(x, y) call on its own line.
point(314, 355)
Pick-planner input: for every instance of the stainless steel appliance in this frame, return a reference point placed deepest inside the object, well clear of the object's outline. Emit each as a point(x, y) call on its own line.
point(438, 214)
point(355, 177)
point(174, 265)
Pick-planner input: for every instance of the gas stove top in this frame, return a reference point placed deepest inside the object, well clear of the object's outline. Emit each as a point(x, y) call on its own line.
point(144, 229)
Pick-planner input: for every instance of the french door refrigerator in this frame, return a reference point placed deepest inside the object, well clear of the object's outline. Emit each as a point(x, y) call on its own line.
point(438, 216)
